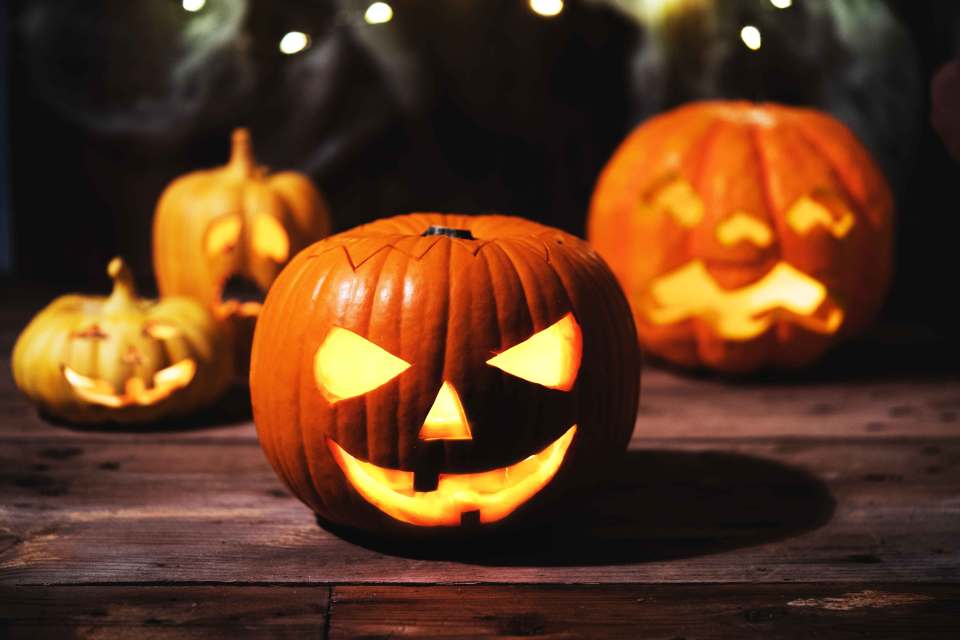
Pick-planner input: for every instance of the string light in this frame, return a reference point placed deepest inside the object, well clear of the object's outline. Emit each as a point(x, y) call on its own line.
point(193, 5)
point(294, 42)
point(782, 4)
point(751, 37)
point(378, 13)
point(546, 8)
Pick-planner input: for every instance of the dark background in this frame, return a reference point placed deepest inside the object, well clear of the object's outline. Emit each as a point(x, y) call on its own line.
point(460, 105)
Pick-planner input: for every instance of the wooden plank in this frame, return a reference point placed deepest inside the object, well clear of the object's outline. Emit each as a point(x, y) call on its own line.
point(163, 612)
point(674, 406)
point(687, 511)
point(627, 611)
point(630, 612)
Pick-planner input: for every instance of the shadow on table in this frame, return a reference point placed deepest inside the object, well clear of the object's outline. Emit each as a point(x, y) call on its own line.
point(661, 505)
point(231, 409)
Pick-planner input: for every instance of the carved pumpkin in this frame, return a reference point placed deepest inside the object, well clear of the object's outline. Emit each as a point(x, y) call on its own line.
point(435, 373)
point(235, 221)
point(745, 235)
point(121, 358)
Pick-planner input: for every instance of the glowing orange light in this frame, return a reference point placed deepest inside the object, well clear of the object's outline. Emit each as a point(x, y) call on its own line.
point(550, 358)
point(494, 494)
point(161, 331)
point(446, 419)
point(347, 365)
point(270, 239)
point(745, 313)
point(679, 200)
point(741, 226)
point(806, 213)
point(101, 392)
point(222, 236)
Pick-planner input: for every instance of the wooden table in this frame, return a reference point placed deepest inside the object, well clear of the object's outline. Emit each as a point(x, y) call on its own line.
point(820, 506)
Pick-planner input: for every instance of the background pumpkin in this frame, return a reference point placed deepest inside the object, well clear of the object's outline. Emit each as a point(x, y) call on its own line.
point(233, 221)
point(443, 305)
point(121, 359)
point(777, 213)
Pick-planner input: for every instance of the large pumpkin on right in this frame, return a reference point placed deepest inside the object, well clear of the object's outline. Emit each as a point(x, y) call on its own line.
point(745, 235)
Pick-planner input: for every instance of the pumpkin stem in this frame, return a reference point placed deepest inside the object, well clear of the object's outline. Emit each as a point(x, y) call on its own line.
point(241, 152)
point(440, 230)
point(124, 292)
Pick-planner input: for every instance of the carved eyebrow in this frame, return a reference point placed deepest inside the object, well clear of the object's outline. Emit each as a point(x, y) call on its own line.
point(678, 198)
point(93, 332)
point(806, 213)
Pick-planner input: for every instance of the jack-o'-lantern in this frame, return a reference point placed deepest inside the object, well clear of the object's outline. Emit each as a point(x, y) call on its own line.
point(233, 223)
point(745, 235)
point(122, 359)
point(434, 374)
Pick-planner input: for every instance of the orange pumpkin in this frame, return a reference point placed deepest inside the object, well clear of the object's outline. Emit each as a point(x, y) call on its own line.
point(236, 221)
point(440, 373)
point(745, 235)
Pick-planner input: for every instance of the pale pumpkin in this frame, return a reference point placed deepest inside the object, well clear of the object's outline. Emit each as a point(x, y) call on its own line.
point(435, 374)
point(120, 358)
point(745, 235)
point(233, 221)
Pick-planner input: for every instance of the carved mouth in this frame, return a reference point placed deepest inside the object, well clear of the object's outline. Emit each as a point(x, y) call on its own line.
point(135, 392)
point(239, 296)
point(744, 313)
point(492, 495)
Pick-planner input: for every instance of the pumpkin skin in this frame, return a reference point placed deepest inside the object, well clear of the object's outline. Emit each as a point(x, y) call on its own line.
point(746, 236)
point(445, 306)
point(122, 359)
point(235, 220)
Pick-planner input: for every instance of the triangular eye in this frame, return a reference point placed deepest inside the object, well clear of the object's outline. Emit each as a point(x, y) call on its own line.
point(550, 358)
point(347, 365)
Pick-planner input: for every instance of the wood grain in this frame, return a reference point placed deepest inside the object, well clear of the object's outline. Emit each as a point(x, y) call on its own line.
point(686, 511)
point(163, 612)
point(654, 612)
point(497, 611)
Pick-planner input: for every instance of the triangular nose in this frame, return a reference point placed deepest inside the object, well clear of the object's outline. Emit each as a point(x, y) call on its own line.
point(446, 419)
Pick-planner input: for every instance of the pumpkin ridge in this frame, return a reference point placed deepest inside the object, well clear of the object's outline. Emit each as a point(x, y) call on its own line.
point(365, 419)
point(700, 151)
point(304, 460)
point(772, 214)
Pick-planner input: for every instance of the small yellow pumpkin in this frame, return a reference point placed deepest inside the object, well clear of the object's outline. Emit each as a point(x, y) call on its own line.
point(124, 359)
